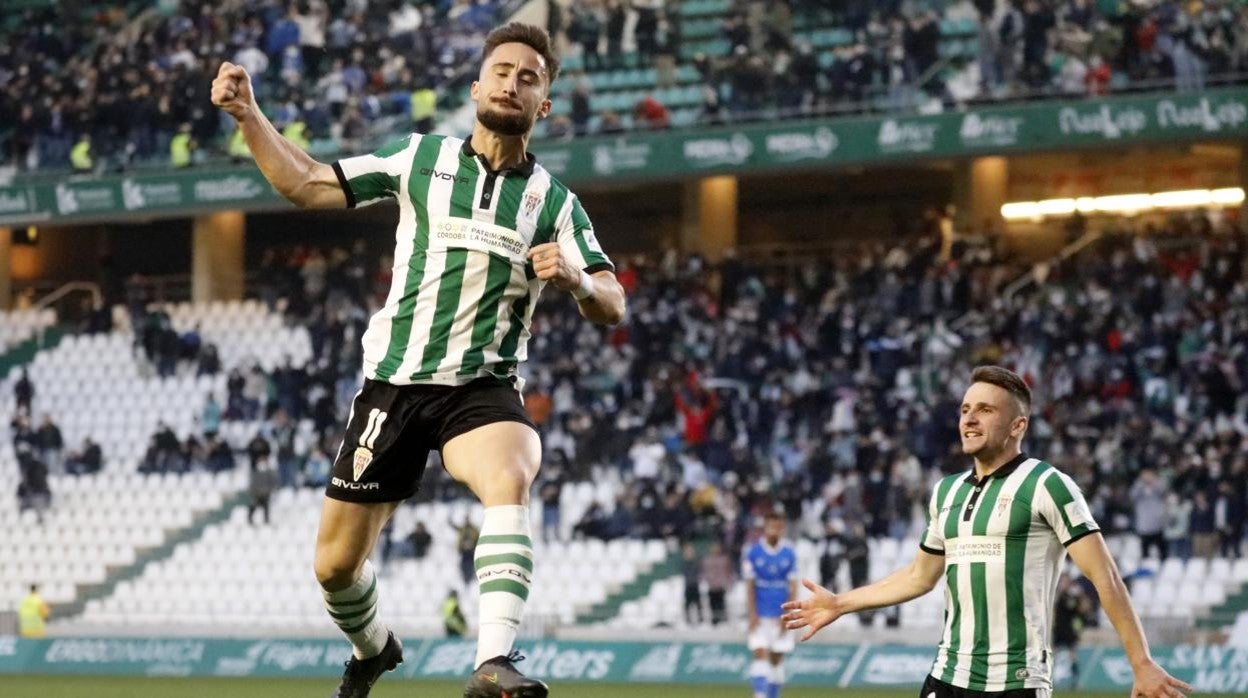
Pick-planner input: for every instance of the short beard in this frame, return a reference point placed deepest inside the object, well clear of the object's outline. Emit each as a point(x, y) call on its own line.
point(504, 124)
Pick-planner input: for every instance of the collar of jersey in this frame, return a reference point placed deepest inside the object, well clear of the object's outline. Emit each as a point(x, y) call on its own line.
point(524, 169)
point(1004, 471)
point(762, 542)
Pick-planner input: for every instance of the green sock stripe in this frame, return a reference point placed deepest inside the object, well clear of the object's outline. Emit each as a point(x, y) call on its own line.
point(371, 588)
point(361, 626)
point(506, 586)
point(506, 540)
point(505, 559)
point(348, 615)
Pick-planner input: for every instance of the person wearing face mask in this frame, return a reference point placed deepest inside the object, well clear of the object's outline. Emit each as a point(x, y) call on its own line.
point(998, 535)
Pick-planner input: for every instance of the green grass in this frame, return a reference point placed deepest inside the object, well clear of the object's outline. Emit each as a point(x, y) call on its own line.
point(123, 687)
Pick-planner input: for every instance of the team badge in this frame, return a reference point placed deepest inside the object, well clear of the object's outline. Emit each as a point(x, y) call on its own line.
point(1003, 505)
point(532, 200)
point(363, 458)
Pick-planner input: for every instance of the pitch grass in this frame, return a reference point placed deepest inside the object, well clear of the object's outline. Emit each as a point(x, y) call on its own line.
point(125, 687)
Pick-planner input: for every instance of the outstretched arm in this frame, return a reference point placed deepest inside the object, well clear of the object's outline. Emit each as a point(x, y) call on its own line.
point(292, 172)
point(1093, 559)
point(824, 607)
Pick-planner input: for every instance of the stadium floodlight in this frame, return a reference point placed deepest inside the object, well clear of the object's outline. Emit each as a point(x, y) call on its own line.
point(1187, 198)
point(1230, 196)
point(1123, 203)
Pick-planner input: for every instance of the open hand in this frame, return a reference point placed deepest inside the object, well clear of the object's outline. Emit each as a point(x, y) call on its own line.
point(1151, 681)
point(813, 612)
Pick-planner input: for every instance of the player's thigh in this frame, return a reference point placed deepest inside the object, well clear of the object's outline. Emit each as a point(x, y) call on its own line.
point(497, 461)
point(345, 537)
point(762, 638)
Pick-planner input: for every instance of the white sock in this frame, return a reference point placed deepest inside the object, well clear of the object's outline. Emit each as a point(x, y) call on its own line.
point(354, 611)
point(504, 562)
point(760, 671)
point(777, 674)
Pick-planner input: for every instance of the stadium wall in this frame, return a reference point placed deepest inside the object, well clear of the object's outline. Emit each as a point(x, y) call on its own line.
point(1211, 669)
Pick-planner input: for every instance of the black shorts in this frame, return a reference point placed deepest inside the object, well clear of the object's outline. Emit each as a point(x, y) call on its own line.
point(935, 688)
point(393, 427)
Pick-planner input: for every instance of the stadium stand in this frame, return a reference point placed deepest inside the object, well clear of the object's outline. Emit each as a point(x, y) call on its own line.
point(343, 75)
point(210, 584)
point(19, 326)
point(763, 340)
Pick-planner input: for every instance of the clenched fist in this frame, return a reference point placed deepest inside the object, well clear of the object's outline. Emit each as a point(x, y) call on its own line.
point(550, 265)
point(231, 91)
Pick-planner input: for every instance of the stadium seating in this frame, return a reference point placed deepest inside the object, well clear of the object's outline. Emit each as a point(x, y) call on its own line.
point(260, 577)
point(18, 326)
point(99, 386)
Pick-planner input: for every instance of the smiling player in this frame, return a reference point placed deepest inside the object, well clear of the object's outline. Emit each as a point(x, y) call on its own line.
point(999, 535)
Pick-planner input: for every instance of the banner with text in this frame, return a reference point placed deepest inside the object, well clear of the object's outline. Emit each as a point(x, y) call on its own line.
point(1211, 669)
point(1217, 114)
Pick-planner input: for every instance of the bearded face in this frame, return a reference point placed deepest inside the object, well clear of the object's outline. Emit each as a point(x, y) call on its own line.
point(512, 90)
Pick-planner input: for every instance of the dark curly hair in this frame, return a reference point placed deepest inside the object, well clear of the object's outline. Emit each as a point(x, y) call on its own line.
point(534, 37)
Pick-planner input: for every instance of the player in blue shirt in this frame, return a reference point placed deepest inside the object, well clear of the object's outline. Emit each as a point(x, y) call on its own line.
point(770, 571)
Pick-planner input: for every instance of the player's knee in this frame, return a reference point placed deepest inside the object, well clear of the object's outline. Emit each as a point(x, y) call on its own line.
point(335, 572)
point(508, 484)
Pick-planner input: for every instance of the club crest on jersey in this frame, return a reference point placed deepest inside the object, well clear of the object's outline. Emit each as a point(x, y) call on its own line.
point(532, 200)
point(363, 458)
point(1003, 506)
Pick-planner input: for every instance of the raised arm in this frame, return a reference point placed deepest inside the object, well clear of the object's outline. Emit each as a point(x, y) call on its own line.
point(824, 607)
point(1093, 559)
point(292, 172)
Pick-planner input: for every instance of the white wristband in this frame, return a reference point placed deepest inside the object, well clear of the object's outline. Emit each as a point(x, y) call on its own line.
point(586, 289)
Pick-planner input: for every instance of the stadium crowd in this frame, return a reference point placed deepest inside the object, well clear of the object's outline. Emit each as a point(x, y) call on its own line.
point(324, 69)
point(102, 90)
point(829, 388)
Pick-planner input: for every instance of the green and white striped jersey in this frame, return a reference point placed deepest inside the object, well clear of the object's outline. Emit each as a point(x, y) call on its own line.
point(462, 298)
point(1003, 539)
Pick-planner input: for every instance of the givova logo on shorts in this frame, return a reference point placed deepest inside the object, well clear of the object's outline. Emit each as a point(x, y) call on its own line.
point(368, 438)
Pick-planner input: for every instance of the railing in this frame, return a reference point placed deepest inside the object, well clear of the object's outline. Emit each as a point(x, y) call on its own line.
point(1036, 274)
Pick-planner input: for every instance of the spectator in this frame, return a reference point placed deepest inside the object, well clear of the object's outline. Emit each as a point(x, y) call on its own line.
point(80, 156)
point(87, 461)
point(664, 54)
point(32, 615)
point(420, 540)
point(1204, 531)
point(832, 556)
point(453, 621)
point(718, 575)
point(316, 470)
point(592, 523)
point(691, 570)
point(1148, 496)
point(263, 482)
point(210, 418)
point(550, 492)
point(51, 445)
point(1178, 526)
point(1228, 517)
point(585, 30)
point(857, 555)
point(580, 111)
point(24, 391)
point(466, 544)
point(651, 114)
point(33, 492)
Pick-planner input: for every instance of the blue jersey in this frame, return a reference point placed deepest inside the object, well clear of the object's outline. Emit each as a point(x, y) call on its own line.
point(771, 569)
